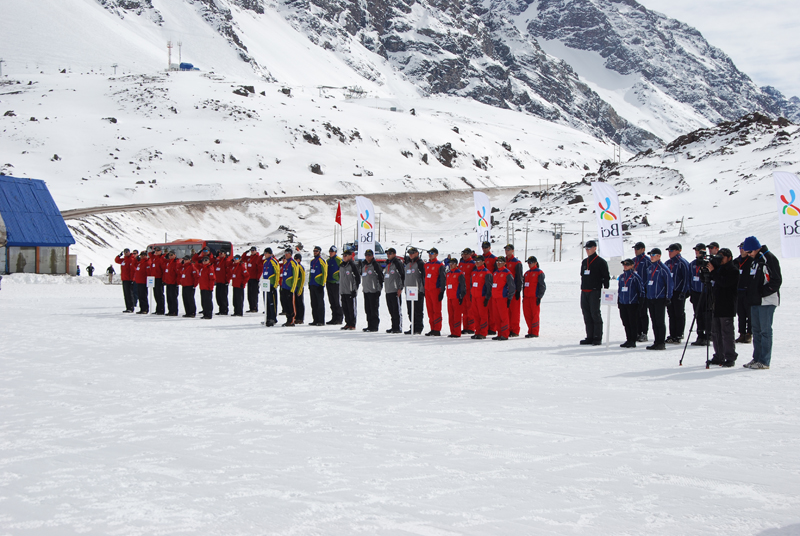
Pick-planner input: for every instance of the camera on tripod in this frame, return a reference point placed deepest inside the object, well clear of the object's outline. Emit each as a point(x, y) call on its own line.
point(704, 262)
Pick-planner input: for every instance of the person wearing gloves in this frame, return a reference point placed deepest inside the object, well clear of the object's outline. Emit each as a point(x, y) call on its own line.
point(764, 296)
point(371, 285)
point(630, 296)
point(658, 292)
point(393, 282)
point(514, 265)
point(481, 295)
point(532, 294)
point(349, 281)
point(435, 278)
point(456, 292)
point(503, 290)
point(317, 276)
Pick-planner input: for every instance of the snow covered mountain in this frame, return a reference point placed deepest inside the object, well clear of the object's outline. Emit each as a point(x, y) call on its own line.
point(608, 67)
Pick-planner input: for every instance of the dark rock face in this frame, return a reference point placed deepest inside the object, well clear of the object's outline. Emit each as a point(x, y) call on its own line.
point(135, 7)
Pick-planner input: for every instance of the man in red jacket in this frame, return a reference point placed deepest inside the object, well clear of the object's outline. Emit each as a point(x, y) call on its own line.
point(255, 265)
point(239, 278)
point(222, 274)
point(125, 261)
point(171, 274)
point(157, 270)
point(434, 291)
point(140, 278)
point(502, 293)
point(533, 292)
point(481, 294)
point(467, 266)
point(514, 265)
point(456, 291)
point(188, 282)
point(206, 282)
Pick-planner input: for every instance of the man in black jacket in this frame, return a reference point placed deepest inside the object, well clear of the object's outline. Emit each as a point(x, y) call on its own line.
point(594, 277)
point(743, 263)
point(725, 279)
point(764, 296)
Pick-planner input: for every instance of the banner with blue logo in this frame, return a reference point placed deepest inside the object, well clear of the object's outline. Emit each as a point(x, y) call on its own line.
point(483, 218)
point(609, 220)
point(366, 225)
point(787, 191)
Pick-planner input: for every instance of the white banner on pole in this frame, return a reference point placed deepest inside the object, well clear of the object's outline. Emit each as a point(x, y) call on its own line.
point(609, 220)
point(787, 191)
point(366, 225)
point(483, 218)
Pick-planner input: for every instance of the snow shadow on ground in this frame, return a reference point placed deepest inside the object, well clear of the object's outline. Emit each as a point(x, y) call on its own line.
point(789, 530)
point(681, 373)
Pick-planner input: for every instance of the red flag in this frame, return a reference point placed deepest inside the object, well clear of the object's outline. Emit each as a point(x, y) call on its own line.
point(339, 214)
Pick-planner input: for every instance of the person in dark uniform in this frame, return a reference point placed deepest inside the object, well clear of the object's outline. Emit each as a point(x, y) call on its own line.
point(743, 263)
point(332, 284)
point(629, 297)
point(415, 277)
point(317, 277)
point(349, 281)
point(289, 281)
point(659, 292)
point(641, 262)
point(299, 301)
point(371, 285)
point(594, 278)
point(725, 279)
point(700, 302)
point(393, 281)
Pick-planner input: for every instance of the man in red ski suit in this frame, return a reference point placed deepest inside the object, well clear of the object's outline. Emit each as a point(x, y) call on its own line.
point(172, 267)
point(140, 273)
point(126, 261)
point(489, 260)
point(435, 280)
point(456, 299)
point(467, 266)
point(481, 294)
point(206, 281)
point(502, 293)
point(239, 278)
point(188, 281)
point(532, 296)
point(514, 265)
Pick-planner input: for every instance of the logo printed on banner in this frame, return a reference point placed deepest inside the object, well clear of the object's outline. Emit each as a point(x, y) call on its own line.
point(605, 213)
point(364, 223)
point(482, 217)
point(789, 209)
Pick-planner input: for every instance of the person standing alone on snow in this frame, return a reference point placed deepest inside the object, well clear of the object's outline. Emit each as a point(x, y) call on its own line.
point(594, 277)
point(533, 292)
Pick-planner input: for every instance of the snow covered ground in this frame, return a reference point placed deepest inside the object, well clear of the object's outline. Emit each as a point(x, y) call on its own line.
point(119, 424)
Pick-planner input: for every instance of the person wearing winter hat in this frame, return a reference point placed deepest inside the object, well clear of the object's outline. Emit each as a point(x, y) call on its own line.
point(763, 296)
point(594, 277)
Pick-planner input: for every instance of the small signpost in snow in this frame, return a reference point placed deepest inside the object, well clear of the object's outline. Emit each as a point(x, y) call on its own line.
point(266, 285)
point(609, 298)
point(412, 295)
point(151, 283)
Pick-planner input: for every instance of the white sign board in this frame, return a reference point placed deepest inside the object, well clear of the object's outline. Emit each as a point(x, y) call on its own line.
point(151, 281)
point(609, 297)
point(412, 293)
point(266, 285)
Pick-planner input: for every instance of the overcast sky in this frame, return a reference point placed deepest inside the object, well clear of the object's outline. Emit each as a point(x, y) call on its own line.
point(761, 36)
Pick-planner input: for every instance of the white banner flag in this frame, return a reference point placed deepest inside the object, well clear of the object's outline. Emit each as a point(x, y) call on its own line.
point(366, 225)
point(609, 220)
point(483, 218)
point(787, 191)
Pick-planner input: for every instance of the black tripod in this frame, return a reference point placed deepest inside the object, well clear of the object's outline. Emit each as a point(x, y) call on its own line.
point(706, 307)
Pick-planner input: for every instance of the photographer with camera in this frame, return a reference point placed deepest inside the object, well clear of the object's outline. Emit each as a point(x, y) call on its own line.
point(725, 280)
point(700, 302)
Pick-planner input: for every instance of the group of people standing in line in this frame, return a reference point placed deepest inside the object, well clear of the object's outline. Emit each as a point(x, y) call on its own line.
point(485, 294)
point(719, 287)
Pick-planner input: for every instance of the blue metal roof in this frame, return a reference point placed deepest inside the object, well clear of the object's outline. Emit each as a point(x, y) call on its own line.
point(29, 216)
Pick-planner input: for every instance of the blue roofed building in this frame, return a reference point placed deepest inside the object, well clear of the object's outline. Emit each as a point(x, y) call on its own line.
point(33, 235)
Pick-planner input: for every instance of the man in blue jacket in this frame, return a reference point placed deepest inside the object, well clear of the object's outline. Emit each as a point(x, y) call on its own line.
point(641, 262)
point(658, 291)
point(700, 299)
point(629, 300)
point(679, 270)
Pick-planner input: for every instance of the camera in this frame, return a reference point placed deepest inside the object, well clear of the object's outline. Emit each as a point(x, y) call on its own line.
point(704, 262)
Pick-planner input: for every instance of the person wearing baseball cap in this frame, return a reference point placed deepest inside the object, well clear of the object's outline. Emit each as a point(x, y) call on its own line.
point(255, 269)
point(594, 278)
point(394, 274)
point(630, 295)
point(371, 286)
point(763, 296)
point(317, 277)
point(271, 271)
point(514, 265)
point(681, 279)
point(238, 282)
point(743, 263)
point(658, 288)
point(415, 277)
point(713, 248)
point(481, 291)
point(349, 281)
point(503, 290)
point(456, 290)
point(435, 281)
point(641, 262)
point(700, 303)
point(532, 294)
point(467, 266)
point(334, 261)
